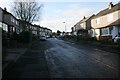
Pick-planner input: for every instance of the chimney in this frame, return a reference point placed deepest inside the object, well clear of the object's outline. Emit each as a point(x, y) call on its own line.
point(110, 5)
point(5, 9)
point(84, 17)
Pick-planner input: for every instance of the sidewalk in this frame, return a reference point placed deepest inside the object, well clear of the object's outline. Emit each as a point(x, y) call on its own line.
point(30, 64)
point(104, 47)
point(11, 55)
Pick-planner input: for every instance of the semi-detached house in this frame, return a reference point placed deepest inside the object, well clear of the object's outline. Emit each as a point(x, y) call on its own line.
point(1, 17)
point(11, 24)
point(83, 27)
point(106, 23)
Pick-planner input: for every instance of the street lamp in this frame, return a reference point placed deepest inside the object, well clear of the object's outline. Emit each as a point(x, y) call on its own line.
point(65, 26)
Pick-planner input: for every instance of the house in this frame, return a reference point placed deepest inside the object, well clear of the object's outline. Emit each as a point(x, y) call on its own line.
point(3, 25)
point(68, 33)
point(49, 32)
point(42, 31)
point(36, 30)
point(10, 22)
point(106, 23)
point(83, 27)
point(74, 31)
point(1, 17)
point(25, 26)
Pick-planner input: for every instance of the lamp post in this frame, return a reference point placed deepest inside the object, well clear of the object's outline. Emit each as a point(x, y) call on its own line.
point(65, 26)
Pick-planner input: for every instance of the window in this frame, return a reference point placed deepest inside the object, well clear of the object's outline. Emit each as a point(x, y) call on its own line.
point(105, 31)
point(98, 20)
point(5, 27)
point(13, 29)
point(0, 25)
point(17, 22)
point(110, 17)
point(110, 30)
point(1, 14)
point(11, 19)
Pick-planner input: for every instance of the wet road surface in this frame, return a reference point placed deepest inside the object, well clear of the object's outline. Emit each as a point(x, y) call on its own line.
point(56, 58)
point(68, 60)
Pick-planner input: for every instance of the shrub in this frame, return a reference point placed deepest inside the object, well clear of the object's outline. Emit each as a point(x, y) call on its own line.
point(5, 38)
point(14, 36)
point(24, 37)
point(118, 41)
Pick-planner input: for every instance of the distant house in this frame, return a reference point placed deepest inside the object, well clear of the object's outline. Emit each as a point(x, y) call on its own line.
point(68, 33)
point(106, 23)
point(11, 24)
point(49, 32)
point(74, 31)
point(34, 29)
point(83, 27)
point(43, 31)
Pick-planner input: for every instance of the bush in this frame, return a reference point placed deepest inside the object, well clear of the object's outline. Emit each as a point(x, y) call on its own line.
point(118, 41)
point(87, 38)
point(5, 37)
point(14, 36)
point(24, 37)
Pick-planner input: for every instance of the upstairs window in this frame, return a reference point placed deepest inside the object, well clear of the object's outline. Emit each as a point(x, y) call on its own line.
point(98, 21)
point(110, 17)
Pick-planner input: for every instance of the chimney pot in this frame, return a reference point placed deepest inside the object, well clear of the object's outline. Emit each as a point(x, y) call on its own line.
point(84, 17)
point(5, 9)
point(110, 5)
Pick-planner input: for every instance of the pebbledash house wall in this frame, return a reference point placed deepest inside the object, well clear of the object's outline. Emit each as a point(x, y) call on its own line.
point(1, 16)
point(11, 21)
point(110, 22)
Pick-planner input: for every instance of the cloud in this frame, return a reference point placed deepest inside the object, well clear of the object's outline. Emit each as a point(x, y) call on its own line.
point(58, 11)
point(54, 24)
point(71, 14)
point(74, 6)
point(71, 17)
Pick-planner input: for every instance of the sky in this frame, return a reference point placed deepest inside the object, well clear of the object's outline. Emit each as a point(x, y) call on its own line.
point(53, 14)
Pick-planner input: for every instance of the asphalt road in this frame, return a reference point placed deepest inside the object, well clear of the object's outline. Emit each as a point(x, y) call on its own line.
point(56, 58)
point(68, 60)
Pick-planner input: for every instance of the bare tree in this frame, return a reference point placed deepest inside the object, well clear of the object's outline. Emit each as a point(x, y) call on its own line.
point(27, 11)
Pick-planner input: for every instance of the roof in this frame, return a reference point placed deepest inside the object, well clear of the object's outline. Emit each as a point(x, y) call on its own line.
point(6, 12)
point(85, 19)
point(107, 10)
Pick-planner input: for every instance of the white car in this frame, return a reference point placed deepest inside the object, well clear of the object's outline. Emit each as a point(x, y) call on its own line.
point(43, 38)
point(116, 38)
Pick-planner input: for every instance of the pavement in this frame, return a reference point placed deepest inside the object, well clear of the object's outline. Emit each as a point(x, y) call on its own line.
point(56, 58)
point(31, 64)
point(0, 53)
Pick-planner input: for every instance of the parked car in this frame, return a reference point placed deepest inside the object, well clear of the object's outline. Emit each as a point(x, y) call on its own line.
point(43, 38)
point(47, 36)
point(117, 37)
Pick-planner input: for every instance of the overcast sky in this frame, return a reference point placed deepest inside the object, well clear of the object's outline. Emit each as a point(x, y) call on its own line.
point(55, 13)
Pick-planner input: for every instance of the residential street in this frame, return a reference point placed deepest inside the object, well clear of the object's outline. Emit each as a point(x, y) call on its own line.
point(72, 61)
point(64, 60)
